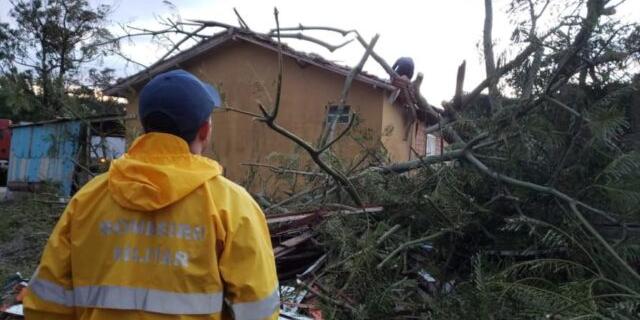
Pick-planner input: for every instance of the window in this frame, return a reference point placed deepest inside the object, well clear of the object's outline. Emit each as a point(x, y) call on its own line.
point(433, 145)
point(344, 117)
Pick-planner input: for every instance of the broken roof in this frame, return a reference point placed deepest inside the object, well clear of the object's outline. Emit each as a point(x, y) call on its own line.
point(120, 88)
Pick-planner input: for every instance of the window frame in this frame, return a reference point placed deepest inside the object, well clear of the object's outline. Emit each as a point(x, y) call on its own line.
point(332, 112)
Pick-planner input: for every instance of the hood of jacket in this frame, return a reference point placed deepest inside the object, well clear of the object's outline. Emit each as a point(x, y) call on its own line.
point(158, 170)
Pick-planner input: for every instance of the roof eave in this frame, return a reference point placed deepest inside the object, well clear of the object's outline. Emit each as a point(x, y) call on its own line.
point(121, 88)
point(361, 78)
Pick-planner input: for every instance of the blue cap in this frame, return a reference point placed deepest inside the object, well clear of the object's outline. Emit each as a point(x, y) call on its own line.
point(180, 96)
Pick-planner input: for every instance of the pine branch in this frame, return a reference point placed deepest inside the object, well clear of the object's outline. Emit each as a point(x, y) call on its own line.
point(409, 244)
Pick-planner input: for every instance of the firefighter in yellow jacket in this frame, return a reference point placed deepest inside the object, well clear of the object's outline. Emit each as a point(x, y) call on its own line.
point(162, 235)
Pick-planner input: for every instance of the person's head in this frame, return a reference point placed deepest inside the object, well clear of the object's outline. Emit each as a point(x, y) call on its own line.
point(178, 103)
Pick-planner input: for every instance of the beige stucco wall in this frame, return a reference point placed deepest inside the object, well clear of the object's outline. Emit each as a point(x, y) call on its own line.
point(242, 71)
point(394, 135)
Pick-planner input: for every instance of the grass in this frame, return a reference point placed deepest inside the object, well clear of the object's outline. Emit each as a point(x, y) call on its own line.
point(25, 225)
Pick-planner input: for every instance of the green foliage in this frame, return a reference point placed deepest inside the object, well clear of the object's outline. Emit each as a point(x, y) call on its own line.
point(620, 180)
point(44, 57)
point(505, 251)
point(17, 101)
point(607, 126)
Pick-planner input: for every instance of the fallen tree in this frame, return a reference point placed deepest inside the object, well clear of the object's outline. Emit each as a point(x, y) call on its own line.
point(531, 212)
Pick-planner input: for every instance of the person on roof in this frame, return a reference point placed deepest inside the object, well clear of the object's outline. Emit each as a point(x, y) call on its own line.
point(162, 235)
point(404, 67)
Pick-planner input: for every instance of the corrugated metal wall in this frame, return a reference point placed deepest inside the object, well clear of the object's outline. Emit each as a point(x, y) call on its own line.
point(44, 153)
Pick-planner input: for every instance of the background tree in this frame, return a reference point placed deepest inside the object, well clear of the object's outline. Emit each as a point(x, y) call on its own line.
point(47, 54)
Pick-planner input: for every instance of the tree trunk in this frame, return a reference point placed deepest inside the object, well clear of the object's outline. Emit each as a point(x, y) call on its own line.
point(489, 60)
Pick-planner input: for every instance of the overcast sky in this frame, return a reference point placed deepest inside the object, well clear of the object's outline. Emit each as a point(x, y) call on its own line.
point(437, 34)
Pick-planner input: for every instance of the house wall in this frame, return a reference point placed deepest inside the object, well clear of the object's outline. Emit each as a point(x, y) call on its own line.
point(404, 140)
point(245, 73)
point(394, 132)
point(427, 144)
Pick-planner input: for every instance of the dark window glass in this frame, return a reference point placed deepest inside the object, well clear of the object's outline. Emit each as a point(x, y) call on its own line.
point(343, 117)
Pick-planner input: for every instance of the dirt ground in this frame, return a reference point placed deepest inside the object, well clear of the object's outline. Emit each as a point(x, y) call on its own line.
point(25, 225)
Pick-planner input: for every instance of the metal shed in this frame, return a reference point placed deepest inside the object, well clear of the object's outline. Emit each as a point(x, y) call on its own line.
point(60, 152)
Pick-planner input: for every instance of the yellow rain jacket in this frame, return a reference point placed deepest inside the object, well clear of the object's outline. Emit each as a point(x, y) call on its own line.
point(162, 235)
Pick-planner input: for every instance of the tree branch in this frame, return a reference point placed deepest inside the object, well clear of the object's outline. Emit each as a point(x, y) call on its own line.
point(241, 21)
point(321, 28)
point(564, 69)
point(574, 207)
point(536, 187)
point(330, 128)
point(301, 36)
point(457, 98)
point(489, 58)
point(567, 108)
point(280, 170)
point(352, 120)
point(409, 244)
point(269, 119)
point(499, 73)
point(208, 23)
point(257, 116)
point(177, 45)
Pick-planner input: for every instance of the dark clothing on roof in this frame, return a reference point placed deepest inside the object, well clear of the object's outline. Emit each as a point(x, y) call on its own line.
point(404, 67)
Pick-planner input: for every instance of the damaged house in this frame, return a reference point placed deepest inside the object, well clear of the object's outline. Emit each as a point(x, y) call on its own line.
point(243, 65)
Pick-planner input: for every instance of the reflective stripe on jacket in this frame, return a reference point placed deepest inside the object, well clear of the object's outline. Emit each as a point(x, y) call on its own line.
point(162, 235)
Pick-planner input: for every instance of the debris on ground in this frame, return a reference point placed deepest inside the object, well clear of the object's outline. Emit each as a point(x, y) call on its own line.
point(12, 294)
